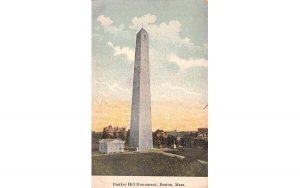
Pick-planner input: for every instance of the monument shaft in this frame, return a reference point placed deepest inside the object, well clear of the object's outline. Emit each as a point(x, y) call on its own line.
point(140, 124)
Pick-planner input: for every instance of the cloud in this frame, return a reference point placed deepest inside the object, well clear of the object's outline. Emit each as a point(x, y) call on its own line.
point(138, 21)
point(115, 87)
point(180, 89)
point(185, 64)
point(105, 91)
point(164, 31)
point(128, 52)
point(165, 37)
point(104, 21)
point(108, 26)
point(169, 92)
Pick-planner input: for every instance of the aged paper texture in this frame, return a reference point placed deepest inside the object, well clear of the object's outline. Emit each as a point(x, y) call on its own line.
point(149, 93)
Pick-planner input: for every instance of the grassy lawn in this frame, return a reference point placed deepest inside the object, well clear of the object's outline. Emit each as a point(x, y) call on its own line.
point(146, 164)
point(192, 153)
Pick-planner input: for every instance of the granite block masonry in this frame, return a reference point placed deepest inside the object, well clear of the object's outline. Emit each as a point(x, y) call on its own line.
point(140, 123)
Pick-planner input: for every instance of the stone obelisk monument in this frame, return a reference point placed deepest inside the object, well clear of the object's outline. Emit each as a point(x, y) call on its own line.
point(140, 124)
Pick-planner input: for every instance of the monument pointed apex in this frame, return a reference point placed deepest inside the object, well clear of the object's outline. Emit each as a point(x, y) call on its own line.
point(142, 30)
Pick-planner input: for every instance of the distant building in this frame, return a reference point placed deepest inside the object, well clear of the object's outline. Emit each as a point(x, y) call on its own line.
point(203, 133)
point(111, 146)
point(114, 131)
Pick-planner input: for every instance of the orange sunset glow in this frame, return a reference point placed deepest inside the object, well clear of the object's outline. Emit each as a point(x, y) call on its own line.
point(166, 115)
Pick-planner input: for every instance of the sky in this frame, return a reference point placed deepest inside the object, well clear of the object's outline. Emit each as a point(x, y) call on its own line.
point(177, 54)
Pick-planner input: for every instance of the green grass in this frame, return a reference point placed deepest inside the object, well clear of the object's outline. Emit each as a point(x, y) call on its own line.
point(146, 164)
point(192, 153)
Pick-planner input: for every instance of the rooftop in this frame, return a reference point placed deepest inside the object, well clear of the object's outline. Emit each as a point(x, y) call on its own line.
point(111, 140)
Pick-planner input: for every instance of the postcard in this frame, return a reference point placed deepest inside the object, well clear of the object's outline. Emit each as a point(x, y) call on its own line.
point(149, 93)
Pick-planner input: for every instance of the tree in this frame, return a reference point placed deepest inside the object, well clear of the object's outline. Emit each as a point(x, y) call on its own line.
point(122, 136)
point(127, 137)
point(182, 141)
point(96, 136)
point(107, 136)
point(171, 140)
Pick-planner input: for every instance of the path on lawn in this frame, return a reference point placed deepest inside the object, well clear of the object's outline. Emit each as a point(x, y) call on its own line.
point(202, 162)
point(153, 151)
point(168, 154)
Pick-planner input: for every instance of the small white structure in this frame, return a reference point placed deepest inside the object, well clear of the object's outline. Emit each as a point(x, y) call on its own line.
point(111, 146)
